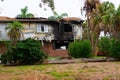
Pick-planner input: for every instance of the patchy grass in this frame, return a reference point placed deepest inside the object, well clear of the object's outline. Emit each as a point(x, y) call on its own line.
point(76, 71)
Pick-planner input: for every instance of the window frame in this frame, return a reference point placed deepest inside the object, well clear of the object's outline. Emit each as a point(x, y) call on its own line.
point(42, 28)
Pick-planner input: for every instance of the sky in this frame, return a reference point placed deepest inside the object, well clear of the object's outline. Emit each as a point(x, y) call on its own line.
point(11, 8)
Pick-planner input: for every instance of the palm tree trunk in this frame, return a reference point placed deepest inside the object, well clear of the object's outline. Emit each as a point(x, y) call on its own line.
point(88, 28)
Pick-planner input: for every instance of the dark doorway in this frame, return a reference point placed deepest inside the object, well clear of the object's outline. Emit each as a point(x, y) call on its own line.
point(67, 28)
point(60, 45)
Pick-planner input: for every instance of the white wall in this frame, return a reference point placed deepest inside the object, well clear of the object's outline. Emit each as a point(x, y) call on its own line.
point(50, 34)
point(77, 30)
point(3, 34)
point(29, 35)
point(47, 34)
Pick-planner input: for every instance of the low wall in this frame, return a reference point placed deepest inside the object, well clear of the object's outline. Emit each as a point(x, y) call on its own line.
point(2, 48)
point(48, 48)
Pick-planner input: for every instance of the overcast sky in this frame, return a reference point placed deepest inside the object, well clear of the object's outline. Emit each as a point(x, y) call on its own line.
point(11, 8)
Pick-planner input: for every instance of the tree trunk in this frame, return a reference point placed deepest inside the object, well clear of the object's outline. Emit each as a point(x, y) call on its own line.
point(88, 26)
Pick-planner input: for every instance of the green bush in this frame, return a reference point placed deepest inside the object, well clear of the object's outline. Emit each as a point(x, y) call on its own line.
point(104, 46)
point(25, 52)
point(115, 49)
point(80, 49)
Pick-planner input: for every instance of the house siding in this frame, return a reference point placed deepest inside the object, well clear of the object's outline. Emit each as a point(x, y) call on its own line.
point(77, 31)
point(31, 28)
point(3, 32)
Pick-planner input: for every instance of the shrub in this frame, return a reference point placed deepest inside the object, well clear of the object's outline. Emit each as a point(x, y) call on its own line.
point(104, 46)
point(115, 49)
point(25, 52)
point(80, 49)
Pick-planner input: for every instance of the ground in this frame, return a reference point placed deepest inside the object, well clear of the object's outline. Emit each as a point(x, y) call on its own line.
point(71, 71)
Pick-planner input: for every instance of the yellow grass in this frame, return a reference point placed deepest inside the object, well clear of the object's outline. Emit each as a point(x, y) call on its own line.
point(76, 71)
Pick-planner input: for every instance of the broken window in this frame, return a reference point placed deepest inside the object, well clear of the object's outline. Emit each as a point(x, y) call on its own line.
point(42, 28)
point(67, 28)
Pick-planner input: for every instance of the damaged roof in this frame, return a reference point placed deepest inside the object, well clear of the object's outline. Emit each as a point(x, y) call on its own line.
point(71, 19)
point(4, 18)
point(40, 19)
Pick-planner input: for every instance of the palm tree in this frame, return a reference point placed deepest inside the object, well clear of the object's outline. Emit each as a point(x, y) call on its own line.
point(107, 13)
point(24, 13)
point(15, 32)
point(57, 16)
point(90, 7)
point(117, 23)
point(100, 16)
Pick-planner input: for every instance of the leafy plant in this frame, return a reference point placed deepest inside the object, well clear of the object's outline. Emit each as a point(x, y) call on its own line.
point(15, 32)
point(104, 46)
point(80, 49)
point(25, 52)
point(115, 49)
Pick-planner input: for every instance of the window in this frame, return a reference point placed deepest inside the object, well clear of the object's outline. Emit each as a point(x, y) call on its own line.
point(67, 28)
point(42, 28)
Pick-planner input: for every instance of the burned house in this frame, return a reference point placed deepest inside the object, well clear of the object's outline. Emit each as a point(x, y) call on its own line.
point(55, 36)
point(68, 30)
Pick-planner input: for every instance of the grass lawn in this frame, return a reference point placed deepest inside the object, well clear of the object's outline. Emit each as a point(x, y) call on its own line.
point(75, 71)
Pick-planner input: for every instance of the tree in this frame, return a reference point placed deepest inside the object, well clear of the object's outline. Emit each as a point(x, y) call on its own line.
point(117, 23)
point(24, 13)
point(15, 32)
point(90, 7)
point(50, 3)
point(107, 13)
point(102, 18)
point(57, 16)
